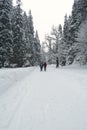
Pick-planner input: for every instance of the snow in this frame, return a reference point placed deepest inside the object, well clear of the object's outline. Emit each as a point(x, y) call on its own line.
point(51, 100)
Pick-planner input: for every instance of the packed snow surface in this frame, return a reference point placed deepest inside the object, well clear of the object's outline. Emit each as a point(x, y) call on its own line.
point(51, 100)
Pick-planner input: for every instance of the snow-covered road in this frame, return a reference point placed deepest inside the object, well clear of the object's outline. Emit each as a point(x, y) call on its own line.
point(52, 100)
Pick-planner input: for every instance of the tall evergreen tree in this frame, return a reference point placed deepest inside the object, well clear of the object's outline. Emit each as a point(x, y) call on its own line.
point(79, 14)
point(66, 40)
point(5, 33)
point(37, 49)
point(81, 44)
point(31, 27)
point(26, 27)
point(19, 45)
point(82, 10)
point(75, 22)
point(33, 48)
point(31, 37)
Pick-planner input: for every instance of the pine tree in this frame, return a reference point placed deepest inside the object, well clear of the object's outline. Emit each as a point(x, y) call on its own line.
point(26, 28)
point(31, 27)
point(31, 37)
point(75, 22)
point(37, 49)
point(27, 39)
point(5, 33)
point(79, 14)
point(81, 43)
point(66, 40)
point(19, 45)
point(82, 9)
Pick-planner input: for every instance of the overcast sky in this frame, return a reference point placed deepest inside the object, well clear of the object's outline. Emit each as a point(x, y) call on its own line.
point(47, 13)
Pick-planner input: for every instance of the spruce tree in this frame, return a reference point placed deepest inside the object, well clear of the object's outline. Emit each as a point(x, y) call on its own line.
point(31, 37)
point(75, 22)
point(37, 48)
point(5, 33)
point(31, 27)
point(81, 44)
point(19, 45)
point(27, 39)
point(79, 14)
point(66, 40)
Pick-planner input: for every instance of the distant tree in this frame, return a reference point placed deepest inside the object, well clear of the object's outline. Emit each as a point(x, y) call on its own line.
point(57, 37)
point(53, 42)
point(49, 45)
point(43, 52)
point(5, 33)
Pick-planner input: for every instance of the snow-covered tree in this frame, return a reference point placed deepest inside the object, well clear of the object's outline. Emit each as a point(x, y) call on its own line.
point(36, 57)
point(66, 40)
point(31, 27)
point(26, 28)
point(31, 37)
point(27, 39)
point(19, 45)
point(56, 33)
point(79, 14)
point(43, 52)
point(37, 51)
point(81, 44)
point(49, 44)
point(54, 42)
point(75, 22)
point(65, 43)
point(5, 33)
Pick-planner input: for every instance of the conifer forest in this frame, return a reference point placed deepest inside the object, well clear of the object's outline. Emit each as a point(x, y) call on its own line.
point(20, 45)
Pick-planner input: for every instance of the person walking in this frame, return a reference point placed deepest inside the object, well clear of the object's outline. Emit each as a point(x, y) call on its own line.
point(41, 66)
point(45, 66)
point(57, 62)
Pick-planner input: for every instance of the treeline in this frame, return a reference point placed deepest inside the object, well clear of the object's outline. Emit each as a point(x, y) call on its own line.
point(69, 43)
point(19, 43)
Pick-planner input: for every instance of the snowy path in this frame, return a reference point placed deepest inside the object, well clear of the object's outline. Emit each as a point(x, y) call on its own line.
point(52, 100)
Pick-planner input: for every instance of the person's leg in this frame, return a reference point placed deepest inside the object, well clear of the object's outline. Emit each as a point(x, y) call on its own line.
point(45, 68)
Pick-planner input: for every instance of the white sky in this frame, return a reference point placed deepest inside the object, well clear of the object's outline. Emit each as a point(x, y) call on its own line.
point(47, 13)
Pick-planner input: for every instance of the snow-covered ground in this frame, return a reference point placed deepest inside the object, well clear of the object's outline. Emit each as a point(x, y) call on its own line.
point(51, 100)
